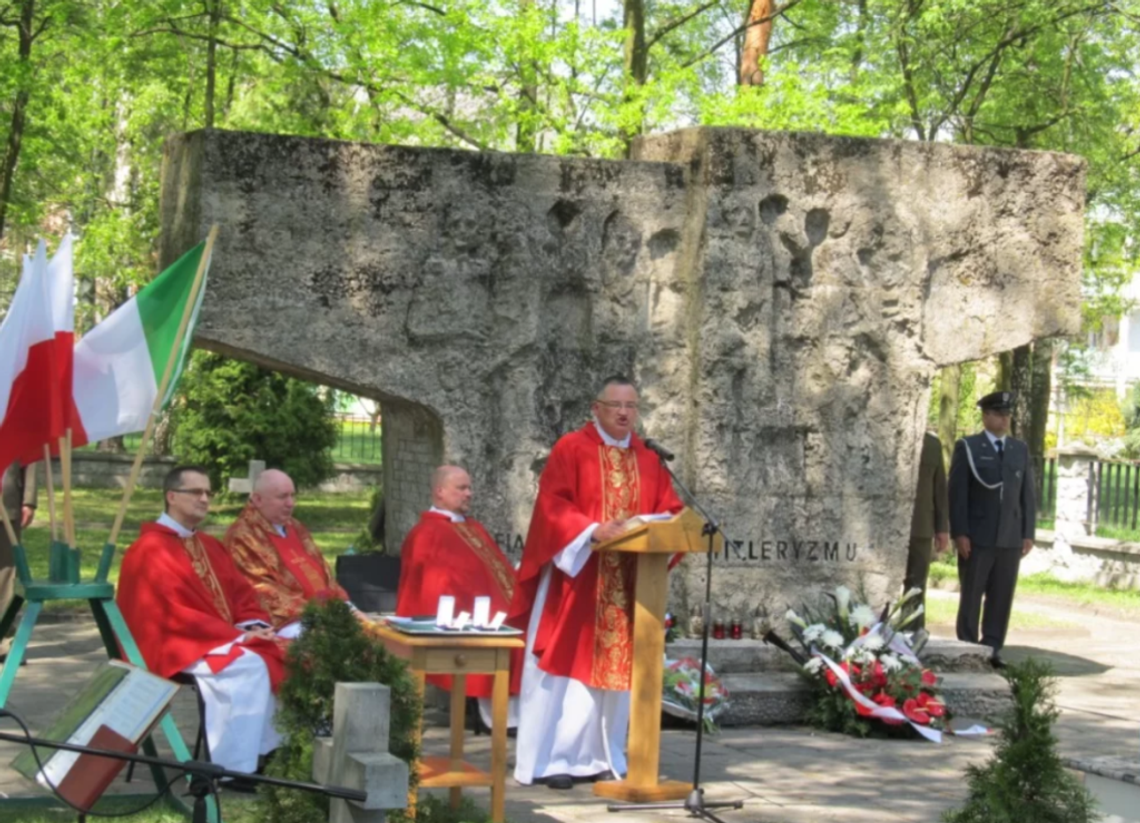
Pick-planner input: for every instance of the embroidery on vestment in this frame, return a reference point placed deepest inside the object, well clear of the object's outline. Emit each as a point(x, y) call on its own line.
point(200, 562)
point(490, 557)
point(613, 624)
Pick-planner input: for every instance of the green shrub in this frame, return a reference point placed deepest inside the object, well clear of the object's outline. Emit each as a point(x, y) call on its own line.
point(1024, 781)
point(333, 648)
point(229, 412)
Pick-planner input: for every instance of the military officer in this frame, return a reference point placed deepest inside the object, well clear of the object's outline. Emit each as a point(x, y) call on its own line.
point(930, 520)
point(992, 521)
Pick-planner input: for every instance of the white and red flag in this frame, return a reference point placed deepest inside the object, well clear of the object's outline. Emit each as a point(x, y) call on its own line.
point(37, 340)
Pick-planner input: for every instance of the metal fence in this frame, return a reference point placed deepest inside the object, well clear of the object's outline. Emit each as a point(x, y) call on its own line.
point(1045, 483)
point(1116, 497)
point(359, 441)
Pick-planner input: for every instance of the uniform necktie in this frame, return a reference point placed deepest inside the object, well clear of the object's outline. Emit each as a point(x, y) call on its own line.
point(998, 444)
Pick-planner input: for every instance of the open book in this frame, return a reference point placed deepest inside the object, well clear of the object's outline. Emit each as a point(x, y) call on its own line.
point(642, 519)
point(120, 702)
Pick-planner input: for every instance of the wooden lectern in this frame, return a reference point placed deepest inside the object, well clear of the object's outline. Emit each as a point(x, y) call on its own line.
point(654, 544)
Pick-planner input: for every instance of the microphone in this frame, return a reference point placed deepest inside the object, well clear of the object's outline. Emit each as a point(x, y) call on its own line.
point(660, 450)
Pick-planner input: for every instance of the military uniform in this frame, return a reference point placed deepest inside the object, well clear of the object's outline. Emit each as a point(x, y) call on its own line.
point(930, 517)
point(17, 489)
point(992, 503)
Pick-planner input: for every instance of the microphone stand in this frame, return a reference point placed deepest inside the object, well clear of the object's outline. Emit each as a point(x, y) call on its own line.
point(203, 774)
point(695, 803)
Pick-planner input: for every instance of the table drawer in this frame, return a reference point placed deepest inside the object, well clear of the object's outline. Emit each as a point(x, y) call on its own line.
point(456, 661)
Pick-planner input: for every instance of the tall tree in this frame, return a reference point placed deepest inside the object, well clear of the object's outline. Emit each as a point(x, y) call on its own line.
point(757, 35)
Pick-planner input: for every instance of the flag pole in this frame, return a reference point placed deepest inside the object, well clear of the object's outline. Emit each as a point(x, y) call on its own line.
point(167, 374)
point(65, 472)
point(50, 493)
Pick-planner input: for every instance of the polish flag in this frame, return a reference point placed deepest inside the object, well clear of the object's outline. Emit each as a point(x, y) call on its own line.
point(37, 338)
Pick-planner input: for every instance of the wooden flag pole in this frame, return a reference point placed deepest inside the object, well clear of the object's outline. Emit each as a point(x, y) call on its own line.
point(65, 471)
point(49, 476)
point(166, 377)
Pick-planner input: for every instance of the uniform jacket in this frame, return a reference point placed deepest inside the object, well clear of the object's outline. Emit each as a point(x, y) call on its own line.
point(18, 485)
point(994, 518)
point(930, 504)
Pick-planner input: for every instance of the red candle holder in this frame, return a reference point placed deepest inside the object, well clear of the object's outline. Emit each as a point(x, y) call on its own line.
point(718, 630)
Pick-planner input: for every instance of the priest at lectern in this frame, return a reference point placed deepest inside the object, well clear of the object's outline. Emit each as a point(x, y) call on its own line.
point(576, 604)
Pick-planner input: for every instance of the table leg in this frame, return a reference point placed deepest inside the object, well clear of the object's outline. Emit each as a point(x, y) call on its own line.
point(419, 680)
point(458, 729)
point(500, 698)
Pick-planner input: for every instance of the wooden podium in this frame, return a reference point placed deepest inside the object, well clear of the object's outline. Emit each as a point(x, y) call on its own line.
point(654, 544)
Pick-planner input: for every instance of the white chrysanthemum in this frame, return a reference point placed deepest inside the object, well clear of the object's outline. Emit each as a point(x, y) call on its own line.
point(813, 665)
point(862, 616)
point(873, 642)
point(832, 639)
point(864, 657)
point(890, 663)
point(813, 632)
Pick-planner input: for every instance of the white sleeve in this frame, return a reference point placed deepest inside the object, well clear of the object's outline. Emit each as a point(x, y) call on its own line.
point(574, 555)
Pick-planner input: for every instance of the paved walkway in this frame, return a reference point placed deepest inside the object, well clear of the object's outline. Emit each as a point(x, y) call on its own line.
point(783, 775)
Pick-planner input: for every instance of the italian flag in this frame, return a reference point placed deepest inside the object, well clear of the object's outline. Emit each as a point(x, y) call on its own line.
point(36, 340)
point(119, 365)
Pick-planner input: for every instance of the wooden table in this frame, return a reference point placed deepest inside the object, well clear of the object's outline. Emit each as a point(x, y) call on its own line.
point(460, 655)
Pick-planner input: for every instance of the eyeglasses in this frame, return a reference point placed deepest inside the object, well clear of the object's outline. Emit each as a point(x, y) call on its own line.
point(631, 405)
point(209, 495)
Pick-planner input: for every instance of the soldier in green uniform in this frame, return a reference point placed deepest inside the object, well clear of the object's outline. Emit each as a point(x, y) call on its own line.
point(930, 521)
point(18, 496)
point(992, 521)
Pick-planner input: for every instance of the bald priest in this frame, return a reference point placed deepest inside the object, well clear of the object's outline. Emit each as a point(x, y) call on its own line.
point(448, 552)
point(277, 554)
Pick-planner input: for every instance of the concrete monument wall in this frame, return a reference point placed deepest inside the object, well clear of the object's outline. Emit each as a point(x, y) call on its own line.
point(782, 299)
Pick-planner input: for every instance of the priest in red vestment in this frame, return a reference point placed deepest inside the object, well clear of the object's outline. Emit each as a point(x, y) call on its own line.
point(277, 554)
point(576, 604)
point(190, 610)
point(449, 552)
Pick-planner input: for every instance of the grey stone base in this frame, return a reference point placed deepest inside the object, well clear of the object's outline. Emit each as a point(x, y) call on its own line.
point(779, 698)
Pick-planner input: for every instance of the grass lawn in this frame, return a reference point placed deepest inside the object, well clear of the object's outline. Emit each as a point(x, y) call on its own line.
point(1072, 594)
point(334, 519)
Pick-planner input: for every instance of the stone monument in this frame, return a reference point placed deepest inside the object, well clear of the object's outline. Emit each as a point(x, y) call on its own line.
point(783, 300)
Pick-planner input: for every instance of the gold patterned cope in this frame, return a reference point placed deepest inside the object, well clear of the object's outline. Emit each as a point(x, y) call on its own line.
point(200, 562)
point(613, 623)
point(492, 558)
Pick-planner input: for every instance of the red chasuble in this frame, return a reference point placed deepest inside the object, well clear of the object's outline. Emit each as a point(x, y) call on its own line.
point(181, 598)
point(459, 559)
point(286, 572)
point(586, 628)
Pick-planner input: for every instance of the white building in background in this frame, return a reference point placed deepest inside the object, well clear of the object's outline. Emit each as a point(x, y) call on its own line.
point(1116, 362)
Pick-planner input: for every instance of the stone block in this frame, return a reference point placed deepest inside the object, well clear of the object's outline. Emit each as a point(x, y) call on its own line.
point(783, 300)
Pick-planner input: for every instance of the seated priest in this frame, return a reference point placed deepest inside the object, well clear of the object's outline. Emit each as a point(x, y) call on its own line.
point(277, 554)
point(449, 553)
point(190, 610)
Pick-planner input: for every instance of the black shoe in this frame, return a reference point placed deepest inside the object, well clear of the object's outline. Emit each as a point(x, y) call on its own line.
point(475, 718)
point(997, 662)
point(512, 733)
point(558, 782)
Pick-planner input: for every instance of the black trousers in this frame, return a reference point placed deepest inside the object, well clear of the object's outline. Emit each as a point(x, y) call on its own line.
point(990, 574)
point(917, 571)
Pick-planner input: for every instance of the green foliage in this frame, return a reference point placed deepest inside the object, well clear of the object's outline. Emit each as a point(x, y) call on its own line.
point(333, 648)
point(1025, 782)
point(229, 412)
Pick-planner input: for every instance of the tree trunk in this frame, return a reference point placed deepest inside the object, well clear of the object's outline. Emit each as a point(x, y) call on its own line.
point(950, 380)
point(526, 135)
point(756, 38)
point(1016, 375)
point(19, 109)
point(212, 61)
point(636, 62)
point(1039, 396)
